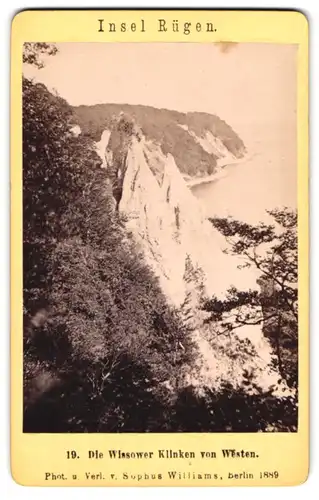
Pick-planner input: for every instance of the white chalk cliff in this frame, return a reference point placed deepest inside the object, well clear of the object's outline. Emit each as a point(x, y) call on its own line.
point(185, 252)
point(212, 145)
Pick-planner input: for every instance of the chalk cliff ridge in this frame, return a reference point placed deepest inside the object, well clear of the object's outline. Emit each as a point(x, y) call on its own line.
point(184, 252)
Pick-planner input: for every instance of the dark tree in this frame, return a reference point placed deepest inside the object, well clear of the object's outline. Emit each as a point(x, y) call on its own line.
point(33, 53)
point(273, 251)
point(99, 338)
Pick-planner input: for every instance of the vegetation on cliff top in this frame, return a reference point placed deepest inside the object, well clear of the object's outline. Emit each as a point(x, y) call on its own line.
point(163, 127)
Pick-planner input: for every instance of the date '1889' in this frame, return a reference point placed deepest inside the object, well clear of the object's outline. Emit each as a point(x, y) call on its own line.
point(269, 475)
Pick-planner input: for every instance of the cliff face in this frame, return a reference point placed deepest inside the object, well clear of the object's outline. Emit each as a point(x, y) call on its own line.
point(185, 253)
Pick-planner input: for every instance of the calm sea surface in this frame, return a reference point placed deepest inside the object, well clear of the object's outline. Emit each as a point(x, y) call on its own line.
point(267, 180)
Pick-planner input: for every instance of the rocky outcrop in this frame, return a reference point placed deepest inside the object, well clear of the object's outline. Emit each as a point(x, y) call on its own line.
point(165, 217)
point(185, 253)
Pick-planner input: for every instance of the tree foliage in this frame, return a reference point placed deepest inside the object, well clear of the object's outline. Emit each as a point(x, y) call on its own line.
point(273, 251)
point(99, 337)
point(34, 52)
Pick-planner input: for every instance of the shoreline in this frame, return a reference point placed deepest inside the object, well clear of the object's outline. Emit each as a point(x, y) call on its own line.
point(219, 174)
point(206, 180)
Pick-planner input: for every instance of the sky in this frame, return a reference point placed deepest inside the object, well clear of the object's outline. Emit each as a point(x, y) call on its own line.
point(248, 85)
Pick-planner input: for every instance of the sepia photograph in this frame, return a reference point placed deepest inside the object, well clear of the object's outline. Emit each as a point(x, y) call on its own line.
point(160, 250)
